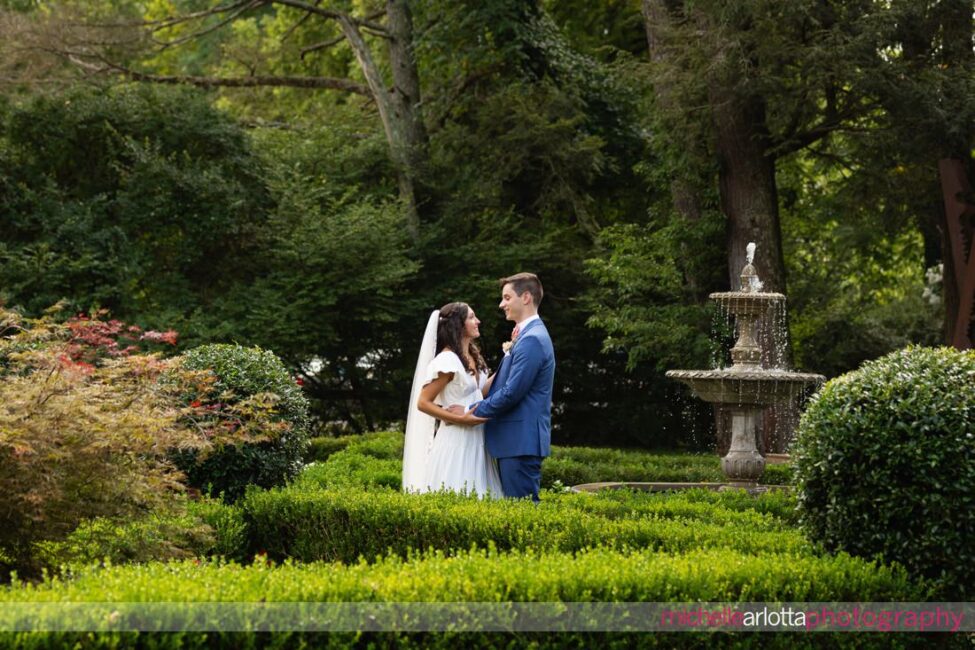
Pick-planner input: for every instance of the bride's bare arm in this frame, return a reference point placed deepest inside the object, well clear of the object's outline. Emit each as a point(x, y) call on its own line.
point(429, 393)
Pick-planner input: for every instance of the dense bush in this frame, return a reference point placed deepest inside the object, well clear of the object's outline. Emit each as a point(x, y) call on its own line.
point(142, 199)
point(350, 468)
point(886, 464)
point(276, 411)
point(204, 528)
point(229, 529)
point(576, 465)
point(485, 575)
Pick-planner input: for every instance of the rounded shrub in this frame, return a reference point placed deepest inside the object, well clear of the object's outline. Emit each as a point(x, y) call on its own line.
point(885, 464)
point(243, 374)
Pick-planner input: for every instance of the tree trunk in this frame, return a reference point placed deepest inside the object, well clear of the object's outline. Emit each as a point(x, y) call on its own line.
point(749, 199)
point(398, 110)
point(406, 104)
point(406, 81)
point(956, 54)
point(658, 20)
point(746, 180)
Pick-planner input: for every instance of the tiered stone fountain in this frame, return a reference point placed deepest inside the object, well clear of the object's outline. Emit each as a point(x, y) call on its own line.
point(746, 388)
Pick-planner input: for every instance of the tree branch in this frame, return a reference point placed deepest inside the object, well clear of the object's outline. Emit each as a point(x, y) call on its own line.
point(321, 46)
point(301, 21)
point(252, 4)
point(331, 83)
point(162, 23)
point(334, 15)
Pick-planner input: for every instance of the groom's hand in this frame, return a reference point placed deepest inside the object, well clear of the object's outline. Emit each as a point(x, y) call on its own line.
point(470, 419)
point(467, 418)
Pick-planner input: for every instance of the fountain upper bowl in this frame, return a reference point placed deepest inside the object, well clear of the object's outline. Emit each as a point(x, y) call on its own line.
point(742, 303)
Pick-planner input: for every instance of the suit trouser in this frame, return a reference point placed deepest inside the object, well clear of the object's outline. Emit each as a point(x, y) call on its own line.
point(521, 476)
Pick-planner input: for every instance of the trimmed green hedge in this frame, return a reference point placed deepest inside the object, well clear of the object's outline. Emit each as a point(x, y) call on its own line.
point(383, 444)
point(344, 524)
point(567, 465)
point(594, 575)
point(321, 447)
point(305, 522)
point(348, 468)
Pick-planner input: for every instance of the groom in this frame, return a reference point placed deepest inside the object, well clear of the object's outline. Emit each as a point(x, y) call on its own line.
point(518, 408)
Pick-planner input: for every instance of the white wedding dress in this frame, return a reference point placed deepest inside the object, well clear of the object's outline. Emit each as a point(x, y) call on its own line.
point(452, 457)
point(458, 460)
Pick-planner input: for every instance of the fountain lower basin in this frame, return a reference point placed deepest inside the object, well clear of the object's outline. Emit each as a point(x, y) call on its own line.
point(661, 486)
point(757, 387)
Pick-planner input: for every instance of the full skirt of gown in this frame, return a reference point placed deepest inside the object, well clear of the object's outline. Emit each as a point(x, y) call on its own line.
point(460, 462)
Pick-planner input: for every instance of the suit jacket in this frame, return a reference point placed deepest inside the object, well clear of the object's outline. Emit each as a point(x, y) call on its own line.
point(519, 404)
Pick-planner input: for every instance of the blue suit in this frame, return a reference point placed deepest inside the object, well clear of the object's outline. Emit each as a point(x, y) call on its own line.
point(519, 410)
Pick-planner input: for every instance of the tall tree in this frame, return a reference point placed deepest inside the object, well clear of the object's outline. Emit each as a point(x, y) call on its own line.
point(763, 72)
point(929, 103)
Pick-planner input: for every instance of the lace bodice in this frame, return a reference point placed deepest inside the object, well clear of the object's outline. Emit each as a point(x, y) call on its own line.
point(463, 389)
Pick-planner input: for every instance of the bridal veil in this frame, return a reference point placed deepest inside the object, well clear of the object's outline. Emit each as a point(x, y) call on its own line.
point(419, 426)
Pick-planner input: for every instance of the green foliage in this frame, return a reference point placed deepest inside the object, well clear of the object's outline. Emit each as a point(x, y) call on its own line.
point(203, 528)
point(226, 521)
point(862, 274)
point(370, 460)
point(886, 464)
point(575, 465)
point(596, 575)
point(643, 301)
point(243, 373)
point(138, 199)
point(602, 29)
point(351, 469)
point(376, 459)
point(327, 288)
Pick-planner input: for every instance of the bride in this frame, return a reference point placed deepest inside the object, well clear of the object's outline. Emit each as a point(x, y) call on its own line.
point(449, 370)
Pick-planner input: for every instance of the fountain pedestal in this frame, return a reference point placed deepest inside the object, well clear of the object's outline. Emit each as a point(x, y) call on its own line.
point(743, 465)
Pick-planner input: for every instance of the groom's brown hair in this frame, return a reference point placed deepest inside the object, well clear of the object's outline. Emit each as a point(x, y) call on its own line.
point(522, 282)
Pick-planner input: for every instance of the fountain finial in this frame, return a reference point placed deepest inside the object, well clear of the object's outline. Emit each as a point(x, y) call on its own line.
point(749, 276)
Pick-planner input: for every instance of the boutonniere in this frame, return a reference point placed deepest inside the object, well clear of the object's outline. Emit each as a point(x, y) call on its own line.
point(507, 345)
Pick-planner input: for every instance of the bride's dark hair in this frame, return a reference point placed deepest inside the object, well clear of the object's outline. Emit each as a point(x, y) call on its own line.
point(450, 334)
